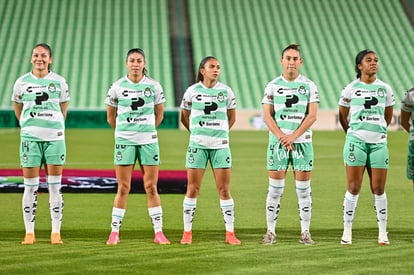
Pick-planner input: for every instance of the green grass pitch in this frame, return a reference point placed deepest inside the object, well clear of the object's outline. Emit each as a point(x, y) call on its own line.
point(86, 223)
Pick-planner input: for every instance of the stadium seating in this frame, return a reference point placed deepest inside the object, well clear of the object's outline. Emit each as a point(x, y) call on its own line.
point(90, 39)
point(248, 37)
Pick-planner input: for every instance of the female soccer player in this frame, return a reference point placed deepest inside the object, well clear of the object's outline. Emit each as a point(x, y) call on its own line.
point(135, 108)
point(40, 104)
point(365, 111)
point(290, 106)
point(407, 122)
point(208, 111)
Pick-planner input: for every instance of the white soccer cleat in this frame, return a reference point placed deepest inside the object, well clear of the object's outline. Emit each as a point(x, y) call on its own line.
point(383, 239)
point(269, 238)
point(306, 239)
point(346, 238)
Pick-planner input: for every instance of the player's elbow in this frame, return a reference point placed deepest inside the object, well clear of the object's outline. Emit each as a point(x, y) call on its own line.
point(111, 122)
point(312, 118)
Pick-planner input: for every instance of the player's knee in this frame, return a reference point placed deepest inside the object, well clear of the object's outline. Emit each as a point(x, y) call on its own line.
point(123, 189)
point(303, 189)
point(303, 193)
point(276, 188)
point(151, 190)
point(275, 193)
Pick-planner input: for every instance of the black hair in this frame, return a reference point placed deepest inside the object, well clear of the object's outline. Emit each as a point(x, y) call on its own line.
point(203, 62)
point(358, 60)
point(141, 52)
point(292, 47)
point(45, 46)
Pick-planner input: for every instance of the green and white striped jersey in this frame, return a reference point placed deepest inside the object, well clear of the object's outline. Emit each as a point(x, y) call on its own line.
point(366, 103)
point(135, 121)
point(407, 105)
point(290, 100)
point(41, 118)
point(209, 125)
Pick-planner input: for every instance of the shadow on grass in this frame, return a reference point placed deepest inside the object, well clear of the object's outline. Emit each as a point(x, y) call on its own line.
point(246, 235)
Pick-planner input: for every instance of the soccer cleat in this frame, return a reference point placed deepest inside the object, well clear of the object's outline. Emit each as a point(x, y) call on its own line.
point(29, 239)
point(55, 238)
point(160, 238)
point(113, 238)
point(231, 238)
point(346, 238)
point(305, 238)
point(269, 238)
point(383, 239)
point(187, 237)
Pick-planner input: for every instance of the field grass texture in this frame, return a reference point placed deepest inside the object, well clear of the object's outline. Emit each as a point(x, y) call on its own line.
point(87, 217)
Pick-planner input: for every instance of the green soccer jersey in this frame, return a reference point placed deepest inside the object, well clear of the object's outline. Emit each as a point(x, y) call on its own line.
point(135, 102)
point(366, 103)
point(290, 100)
point(41, 118)
point(209, 127)
point(407, 105)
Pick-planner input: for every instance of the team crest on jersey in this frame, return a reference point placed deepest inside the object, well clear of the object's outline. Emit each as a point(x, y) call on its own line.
point(381, 92)
point(191, 158)
point(147, 92)
point(52, 87)
point(25, 159)
point(271, 161)
point(118, 156)
point(302, 90)
point(352, 157)
point(220, 97)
